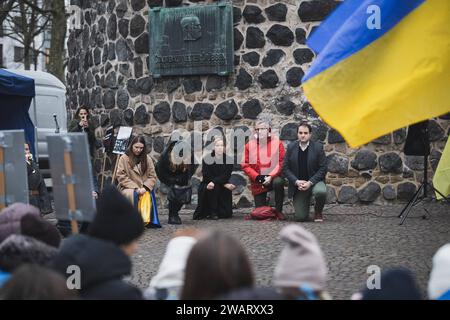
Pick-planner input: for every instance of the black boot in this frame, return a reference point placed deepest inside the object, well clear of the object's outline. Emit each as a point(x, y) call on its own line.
point(213, 217)
point(174, 218)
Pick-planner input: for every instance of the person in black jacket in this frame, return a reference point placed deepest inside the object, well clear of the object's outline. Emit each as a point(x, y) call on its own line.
point(214, 192)
point(82, 123)
point(305, 166)
point(175, 170)
point(103, 255)
point(38, 194)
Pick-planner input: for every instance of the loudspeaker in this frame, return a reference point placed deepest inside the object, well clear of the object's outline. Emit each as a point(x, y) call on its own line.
point(418, 140)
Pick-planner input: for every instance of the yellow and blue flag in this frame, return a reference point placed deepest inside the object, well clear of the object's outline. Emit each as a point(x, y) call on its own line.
point(441, 179)
point(370, 76)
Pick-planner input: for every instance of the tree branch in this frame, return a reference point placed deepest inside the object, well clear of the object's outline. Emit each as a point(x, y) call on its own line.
point(5, 8)
point(36, 8)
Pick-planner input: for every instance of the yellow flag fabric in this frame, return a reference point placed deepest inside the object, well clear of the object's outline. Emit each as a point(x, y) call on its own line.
point(144, 206)
point(399, 79)
point(441, 179)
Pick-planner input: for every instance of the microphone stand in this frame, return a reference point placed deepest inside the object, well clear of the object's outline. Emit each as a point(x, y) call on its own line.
point(56, 123)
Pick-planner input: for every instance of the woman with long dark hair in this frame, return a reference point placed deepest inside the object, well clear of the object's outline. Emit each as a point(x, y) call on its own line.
point(136, 178)
point(82, 123)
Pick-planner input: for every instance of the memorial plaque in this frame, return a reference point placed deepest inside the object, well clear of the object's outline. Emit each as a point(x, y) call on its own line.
point(191, 40)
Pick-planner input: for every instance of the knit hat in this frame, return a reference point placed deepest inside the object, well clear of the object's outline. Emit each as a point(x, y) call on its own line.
point(11, 216)
point(396, 284)
point(171, 269)
point(439, 282)
point(18, 249)
point(116, 219)
point(39, 228)
point(301, 262)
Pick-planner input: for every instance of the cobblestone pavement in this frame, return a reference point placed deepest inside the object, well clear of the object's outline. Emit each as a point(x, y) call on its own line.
point(352, 238)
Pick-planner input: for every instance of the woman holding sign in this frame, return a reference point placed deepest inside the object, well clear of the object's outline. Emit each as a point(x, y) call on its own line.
point(136, 178)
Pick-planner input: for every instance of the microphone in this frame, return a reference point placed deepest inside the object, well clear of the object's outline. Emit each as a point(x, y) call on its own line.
point(56, 123)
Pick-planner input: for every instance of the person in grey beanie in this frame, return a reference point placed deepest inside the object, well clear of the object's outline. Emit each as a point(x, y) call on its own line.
point(301, 270)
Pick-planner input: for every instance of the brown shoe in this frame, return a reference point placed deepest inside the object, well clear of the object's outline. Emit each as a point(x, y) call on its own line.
point(318, 217)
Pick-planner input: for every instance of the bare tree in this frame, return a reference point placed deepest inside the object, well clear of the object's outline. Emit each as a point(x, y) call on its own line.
point(25, 22)
point(37, 16)
point(58, 35)
point(5, 7)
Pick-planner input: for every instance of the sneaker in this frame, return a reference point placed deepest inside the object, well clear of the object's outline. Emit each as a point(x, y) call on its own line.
point(318, 217)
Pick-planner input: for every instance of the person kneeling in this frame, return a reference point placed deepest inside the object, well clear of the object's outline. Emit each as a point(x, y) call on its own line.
point(214, 192)
point(175, 169)
point(137, 177)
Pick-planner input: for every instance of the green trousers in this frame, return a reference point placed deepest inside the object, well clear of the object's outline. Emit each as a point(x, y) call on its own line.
point(278, 187)
point(302, 200)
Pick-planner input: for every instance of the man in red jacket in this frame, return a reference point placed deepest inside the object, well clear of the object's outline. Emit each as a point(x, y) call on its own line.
point(262, 162)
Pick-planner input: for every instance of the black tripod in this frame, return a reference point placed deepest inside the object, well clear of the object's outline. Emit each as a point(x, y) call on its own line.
point(418, 197)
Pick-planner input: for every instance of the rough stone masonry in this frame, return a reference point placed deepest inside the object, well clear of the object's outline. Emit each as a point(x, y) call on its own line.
point(107, 71)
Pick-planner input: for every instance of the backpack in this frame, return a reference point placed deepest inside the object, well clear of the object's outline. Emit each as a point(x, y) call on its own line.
point(262, 213)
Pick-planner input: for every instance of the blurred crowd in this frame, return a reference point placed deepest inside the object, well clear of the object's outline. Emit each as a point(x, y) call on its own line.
point(37, 263)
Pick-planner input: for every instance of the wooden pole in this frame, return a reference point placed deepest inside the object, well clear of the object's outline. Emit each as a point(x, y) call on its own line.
point(115, 168)
point(2, 179)
point(70, 190)
point(103, 171)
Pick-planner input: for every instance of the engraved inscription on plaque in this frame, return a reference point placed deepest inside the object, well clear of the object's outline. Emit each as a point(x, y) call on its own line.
point(191, 40)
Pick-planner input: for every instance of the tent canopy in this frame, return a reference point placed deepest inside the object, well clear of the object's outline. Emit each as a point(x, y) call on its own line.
point(15, 85)
point(16, 93)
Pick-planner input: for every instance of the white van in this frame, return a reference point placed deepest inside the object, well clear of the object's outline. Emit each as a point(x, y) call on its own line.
point(50, 101)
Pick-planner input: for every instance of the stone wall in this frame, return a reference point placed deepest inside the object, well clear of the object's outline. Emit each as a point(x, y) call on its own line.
point(107, 71)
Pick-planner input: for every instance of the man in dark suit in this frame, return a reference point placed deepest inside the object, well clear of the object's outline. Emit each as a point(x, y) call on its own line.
point(305, 166)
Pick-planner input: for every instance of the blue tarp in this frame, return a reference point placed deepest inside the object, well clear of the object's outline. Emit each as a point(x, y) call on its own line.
point(16, 93)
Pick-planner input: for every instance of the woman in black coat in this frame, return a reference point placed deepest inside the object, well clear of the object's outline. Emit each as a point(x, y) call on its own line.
point(82, 123)
point(214, 192)
point(176, 176)
point(38, 194)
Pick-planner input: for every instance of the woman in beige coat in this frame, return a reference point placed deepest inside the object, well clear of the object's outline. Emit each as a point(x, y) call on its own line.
point(136, 175)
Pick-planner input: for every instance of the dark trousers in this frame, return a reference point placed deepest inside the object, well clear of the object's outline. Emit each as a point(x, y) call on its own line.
point(65, 227)
point(174, 208)
point(213, 200)
point(278, 187)
point(302, 201)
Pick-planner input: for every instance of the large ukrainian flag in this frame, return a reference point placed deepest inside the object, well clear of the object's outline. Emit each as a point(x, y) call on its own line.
point(369, 82)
